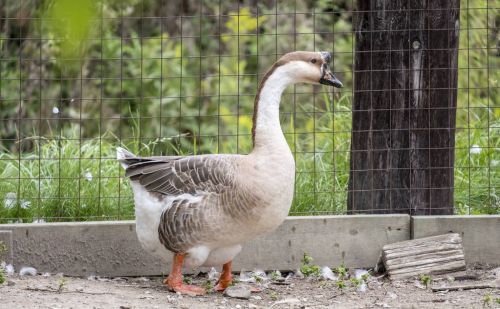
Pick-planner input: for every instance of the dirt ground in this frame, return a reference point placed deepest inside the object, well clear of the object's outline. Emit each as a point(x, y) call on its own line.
point(56, 291)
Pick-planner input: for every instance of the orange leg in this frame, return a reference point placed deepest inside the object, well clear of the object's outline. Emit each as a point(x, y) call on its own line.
point(174, 279)
point(225, 279)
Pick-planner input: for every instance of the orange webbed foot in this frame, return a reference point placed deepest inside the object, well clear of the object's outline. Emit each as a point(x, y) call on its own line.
point(191, 290)
point(221, 286)
point(226, 278)
point(174, 279)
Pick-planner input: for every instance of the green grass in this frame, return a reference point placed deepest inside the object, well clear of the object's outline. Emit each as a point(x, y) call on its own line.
point(64, 180)
point(64, 177)
point(67, 179)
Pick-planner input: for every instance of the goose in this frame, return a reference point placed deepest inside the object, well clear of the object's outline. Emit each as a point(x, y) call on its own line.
point(202, 208)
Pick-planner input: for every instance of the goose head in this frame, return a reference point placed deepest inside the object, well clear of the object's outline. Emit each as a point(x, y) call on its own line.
point(310, 67)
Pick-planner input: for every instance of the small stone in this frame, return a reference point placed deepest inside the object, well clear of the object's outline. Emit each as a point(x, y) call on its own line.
point(11, 283)
point(420, 285)
point(142, 279)
point(288, 301)
point(238, 291)
point(256, 297)
point(213, 274)
point(397, 284)
point(9, 269)
point(252, 306)
point(299, 274)
point(238, 306)
point(327, 273)
point(27, 271)
point(119, 279)
point(496, 273)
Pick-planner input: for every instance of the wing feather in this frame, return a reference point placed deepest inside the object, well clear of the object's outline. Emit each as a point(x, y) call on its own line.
point(179, 175)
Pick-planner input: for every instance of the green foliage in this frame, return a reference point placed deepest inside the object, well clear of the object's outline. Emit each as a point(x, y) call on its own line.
point(187, 280)
point(73, 21)
point(341, 271)
point(356, 281)
point(275, 275)
point(3, 248)
point(273, 295)
point(425, 280)
point(307, 269)
point(61, 285)
point(365, 277)
point(208, 286)
point(487, 299)
point(152, 88)
point(341, 284)
point(62, 186)
point(258, 278)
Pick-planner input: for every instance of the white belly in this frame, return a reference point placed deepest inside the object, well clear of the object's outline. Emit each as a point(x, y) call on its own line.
point(148, 212)
point(147, 218)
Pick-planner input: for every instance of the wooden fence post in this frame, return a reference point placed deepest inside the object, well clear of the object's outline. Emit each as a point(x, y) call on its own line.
point(404, 108)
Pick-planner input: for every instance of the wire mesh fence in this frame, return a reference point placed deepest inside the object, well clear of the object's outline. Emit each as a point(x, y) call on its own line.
point(78, 78)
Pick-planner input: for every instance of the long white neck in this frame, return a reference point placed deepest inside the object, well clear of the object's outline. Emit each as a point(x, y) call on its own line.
point(267, 129)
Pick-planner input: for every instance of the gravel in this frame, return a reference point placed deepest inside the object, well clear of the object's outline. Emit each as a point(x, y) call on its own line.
point(66, 292)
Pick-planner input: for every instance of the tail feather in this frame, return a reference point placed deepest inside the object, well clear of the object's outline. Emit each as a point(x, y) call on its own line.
point(125, 157)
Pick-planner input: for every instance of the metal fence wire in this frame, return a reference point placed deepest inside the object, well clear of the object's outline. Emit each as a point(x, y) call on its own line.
point(78, 78)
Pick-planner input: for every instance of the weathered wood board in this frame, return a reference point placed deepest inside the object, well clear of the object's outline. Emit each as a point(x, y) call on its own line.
point(431, 255)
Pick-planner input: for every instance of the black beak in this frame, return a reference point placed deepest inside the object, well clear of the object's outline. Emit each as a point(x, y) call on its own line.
point(327, 77)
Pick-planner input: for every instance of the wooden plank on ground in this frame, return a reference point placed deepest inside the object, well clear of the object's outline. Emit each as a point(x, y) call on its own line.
point(431, 255)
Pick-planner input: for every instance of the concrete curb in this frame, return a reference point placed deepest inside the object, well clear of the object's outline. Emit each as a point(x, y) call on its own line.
point(112, 248)
point(480, 234)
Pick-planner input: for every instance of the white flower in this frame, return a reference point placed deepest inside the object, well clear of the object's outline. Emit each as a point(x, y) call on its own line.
point(10, 200)
point(55, 110)
point(88, 176)
point(25, 204)
point(39, 220)
point(475, 149)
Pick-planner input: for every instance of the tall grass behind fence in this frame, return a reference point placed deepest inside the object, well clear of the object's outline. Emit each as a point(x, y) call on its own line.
point(78, 78)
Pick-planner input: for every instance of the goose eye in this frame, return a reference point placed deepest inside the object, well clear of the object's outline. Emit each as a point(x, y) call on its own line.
point(313, 60)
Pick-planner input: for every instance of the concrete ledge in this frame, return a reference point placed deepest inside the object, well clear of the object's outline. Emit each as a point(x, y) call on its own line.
point(112, 248)
point(6, 246)
point(480, 234)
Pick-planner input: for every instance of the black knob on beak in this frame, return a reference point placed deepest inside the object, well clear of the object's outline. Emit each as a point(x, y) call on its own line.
point(329, 79)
